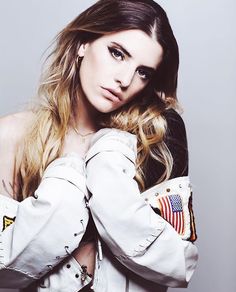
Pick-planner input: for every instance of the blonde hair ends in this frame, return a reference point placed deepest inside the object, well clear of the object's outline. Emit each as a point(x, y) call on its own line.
point(60, 87)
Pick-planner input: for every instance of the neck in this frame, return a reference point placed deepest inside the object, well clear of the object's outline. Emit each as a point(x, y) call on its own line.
point(86, 116)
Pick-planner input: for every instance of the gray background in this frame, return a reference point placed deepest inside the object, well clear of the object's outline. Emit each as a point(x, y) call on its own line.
point(206, 34)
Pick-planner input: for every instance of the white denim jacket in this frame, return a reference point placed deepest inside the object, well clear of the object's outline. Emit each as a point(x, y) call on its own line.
point(138, 250)
point(42, 231)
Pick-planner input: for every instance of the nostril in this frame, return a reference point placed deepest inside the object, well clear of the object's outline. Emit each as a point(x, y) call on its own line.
point(125, 78)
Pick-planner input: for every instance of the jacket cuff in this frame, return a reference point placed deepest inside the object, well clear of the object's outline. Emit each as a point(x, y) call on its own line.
point(113, 140)
point(75, 170)
point(68, 276)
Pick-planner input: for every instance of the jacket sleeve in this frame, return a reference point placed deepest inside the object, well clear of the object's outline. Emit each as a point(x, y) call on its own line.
point(41, 231)
point(138, 237)
point(66, 277)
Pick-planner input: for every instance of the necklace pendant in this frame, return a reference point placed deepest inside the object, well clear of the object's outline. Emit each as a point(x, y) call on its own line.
point(83, 140)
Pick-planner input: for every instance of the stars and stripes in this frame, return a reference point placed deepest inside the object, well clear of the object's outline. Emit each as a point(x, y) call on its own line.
point(172, 211)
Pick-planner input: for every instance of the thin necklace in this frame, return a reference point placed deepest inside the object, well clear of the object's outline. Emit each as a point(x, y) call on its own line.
point(83, 136)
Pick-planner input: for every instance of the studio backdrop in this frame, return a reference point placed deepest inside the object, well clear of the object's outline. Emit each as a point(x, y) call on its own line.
point(205, 31)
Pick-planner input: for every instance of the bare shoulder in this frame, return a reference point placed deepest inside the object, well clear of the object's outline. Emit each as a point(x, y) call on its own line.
point(13, 127)
point(12, 131)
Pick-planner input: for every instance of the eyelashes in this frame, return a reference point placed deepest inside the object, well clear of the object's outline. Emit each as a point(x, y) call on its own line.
point(117, 54)
point(144, 74)
point(120, 56)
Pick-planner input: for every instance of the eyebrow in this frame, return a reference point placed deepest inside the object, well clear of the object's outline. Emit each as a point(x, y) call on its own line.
point(129, 55)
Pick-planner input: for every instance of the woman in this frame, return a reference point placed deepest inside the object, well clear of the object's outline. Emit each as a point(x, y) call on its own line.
point(113, 70)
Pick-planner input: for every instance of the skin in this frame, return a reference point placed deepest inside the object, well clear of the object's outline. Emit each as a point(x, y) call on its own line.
point(105, 65)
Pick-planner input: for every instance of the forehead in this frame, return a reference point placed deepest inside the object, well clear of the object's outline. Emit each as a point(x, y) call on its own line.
point(142, 48)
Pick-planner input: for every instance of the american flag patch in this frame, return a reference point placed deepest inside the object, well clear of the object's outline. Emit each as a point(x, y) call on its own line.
point(172, 211)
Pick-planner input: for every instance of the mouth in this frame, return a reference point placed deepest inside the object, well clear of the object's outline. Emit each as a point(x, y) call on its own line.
point(111, 94)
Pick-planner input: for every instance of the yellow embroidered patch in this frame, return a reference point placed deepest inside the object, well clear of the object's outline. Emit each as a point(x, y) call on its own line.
point(7, 221)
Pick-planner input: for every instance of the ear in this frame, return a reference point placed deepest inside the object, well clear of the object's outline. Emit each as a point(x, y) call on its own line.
point(82, 49)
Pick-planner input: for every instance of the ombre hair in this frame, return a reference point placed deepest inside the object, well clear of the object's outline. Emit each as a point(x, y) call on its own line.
point(60, 87)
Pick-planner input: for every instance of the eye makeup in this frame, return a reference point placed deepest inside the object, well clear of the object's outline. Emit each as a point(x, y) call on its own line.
point(119, 53)
point(144, 74)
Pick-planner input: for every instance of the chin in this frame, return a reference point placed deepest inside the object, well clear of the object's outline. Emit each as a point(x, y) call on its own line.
point(106, 107)
point(106, 110)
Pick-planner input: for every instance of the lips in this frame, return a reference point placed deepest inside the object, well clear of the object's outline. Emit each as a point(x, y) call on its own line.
point(111, 94)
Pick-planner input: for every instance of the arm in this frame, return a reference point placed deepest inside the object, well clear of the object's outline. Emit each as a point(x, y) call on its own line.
point(47, 227)
point(138, 237)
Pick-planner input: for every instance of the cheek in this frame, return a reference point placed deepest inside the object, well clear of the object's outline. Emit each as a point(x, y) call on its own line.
point(98, 62)
point(87, 67)
point(136, 88)
point(91, 70)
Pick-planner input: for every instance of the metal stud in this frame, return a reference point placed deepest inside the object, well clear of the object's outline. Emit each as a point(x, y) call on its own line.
point(67, 249)
point(50, 267)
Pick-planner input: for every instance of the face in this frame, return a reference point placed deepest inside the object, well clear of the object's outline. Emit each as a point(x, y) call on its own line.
point(117, 67)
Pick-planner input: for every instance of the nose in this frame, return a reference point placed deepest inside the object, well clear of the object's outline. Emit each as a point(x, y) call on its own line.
point(124, 77)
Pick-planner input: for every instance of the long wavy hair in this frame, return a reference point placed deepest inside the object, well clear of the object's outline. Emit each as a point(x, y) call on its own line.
point(59, 90)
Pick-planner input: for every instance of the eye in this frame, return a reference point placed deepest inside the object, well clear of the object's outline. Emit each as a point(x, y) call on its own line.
point(144, 74)
point(117, 54)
